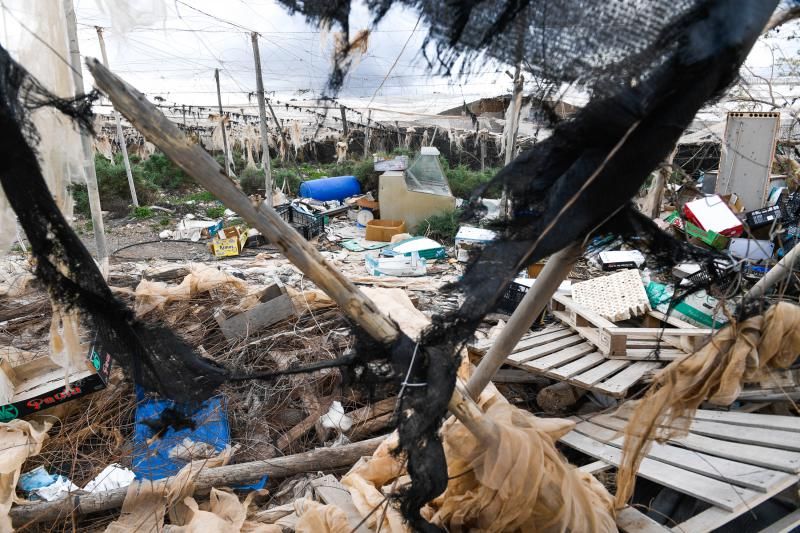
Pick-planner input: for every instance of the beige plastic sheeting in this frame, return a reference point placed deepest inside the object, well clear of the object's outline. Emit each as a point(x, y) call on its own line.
point(740, 353)
point(19, 439)
point(151, 295)
point(315, 517)
point(309, 300)
point(147, 502)
point(225, 514)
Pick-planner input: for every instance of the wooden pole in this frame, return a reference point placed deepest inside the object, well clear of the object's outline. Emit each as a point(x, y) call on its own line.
point(183, 108)
point(320, 459)
point(516, 105)
point(222, 125)
point(652, 204)
point(482, 136)
point(90, 173)
point(533, 303)
point(782, 270)
point(196, 162)
point(278, 125)
point(366, 134)
point(399, 140)
point(345, 130)
point(120, 135)
point(262, 114)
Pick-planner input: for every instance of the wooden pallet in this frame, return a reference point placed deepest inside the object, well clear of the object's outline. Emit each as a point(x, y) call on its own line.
point(630, 343)
point(730, 460)
point(561, 353)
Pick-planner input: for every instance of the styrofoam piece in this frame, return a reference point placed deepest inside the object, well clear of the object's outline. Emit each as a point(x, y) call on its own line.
point(336, 419)
point(755, 250)
point(616, 297)
point(564, 288)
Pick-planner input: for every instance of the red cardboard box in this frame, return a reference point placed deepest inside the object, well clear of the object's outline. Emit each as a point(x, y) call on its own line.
point(713, 214)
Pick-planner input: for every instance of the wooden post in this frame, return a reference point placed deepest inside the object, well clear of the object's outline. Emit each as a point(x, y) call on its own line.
point(652, 204)
point(86, 144)
point(222, 125)
point(120, 135)
point(278, 125)
point(344, 122)
point(399, 140)
point(516, 105)
point(366, 134)
point(482, 137)
point(262, 114)
point(320, 459)
point(533, 303)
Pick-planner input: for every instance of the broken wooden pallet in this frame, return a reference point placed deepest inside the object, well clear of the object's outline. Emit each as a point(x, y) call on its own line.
point(722, 461)
point(561, 353)
point(630, 343)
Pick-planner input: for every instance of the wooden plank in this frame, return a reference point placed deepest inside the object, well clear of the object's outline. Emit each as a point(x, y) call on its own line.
point(630, 520)
point(512, 375)
point(595, 467)
point(330, 491)
point(703, 488)
point(787, 423)
point(657, 333)
point(561, 357)
point(540, 351)
point(776, 438)
point(619, 384)
point(256, 319)
point(576, 367)
point(744, 475)
point(540, 340)
point(648, 354)
point(782, 460)
point(713, 518)
point(785, 524)
point(598, 373)
point(483, 345)
point(670, 319)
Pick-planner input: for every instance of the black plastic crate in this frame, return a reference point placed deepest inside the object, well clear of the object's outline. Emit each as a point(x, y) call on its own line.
point(764, 217)
point(512, 297)
point(309, 226)
point(312, 225)
point(791, 208)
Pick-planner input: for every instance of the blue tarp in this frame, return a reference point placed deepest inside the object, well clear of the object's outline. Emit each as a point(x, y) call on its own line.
point(152, 461)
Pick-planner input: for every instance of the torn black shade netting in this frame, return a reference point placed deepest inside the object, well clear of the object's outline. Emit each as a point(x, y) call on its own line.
point(155, 358)
point(648, 67)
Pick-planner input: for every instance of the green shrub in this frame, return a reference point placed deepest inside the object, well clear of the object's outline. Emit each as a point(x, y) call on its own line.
point(142, 212)
point(202, 196)
point(165, 221)
point(81, 198)
point(162, 172)
point(442, 227)
point(215, 212)
point(463, 180)
point(112, 183)
point(251, 180)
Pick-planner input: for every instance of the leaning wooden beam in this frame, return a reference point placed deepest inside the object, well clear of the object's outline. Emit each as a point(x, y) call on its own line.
point(199, 164)
point(224, 476)
point(533, 303)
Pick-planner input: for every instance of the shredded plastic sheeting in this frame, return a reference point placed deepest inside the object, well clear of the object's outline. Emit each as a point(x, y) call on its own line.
point(520, 483)
point(19, 439)
point(65, 344)
point(740, 353)
point(152, 295)
point(315, 517)
point(147, 503)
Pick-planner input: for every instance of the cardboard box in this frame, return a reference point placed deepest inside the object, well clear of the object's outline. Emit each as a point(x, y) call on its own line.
point(700, 308)
point(469, 239)
point(228, 242)
point(713, 214)
point(710, 238)
point(39, 384)
point(619, 259)
point(384, 230)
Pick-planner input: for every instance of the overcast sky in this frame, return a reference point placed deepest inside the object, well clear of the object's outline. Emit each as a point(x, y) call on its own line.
point(170, 48)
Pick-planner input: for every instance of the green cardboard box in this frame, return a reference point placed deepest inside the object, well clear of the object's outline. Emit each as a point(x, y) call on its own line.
point(713, 239)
